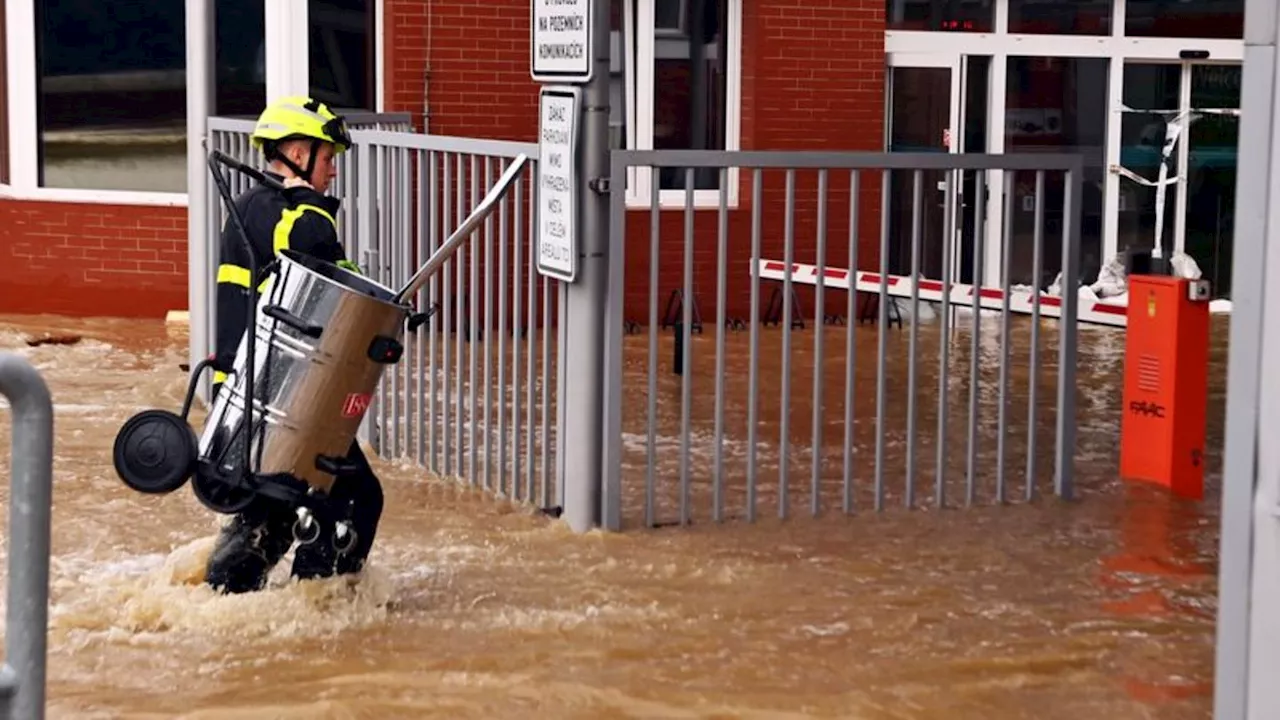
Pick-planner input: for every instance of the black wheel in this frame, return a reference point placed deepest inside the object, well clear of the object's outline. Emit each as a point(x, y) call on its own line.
point(155, 452)
point(221, 497)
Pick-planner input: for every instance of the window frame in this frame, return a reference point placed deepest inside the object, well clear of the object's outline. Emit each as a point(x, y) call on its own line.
point(641, 44)
point(23, 125)
point(24, 131)
point(679, 29)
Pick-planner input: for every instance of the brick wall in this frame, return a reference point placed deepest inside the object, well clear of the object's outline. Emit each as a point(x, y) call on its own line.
point(478, 70)
point(813, 79)
point(92, 260)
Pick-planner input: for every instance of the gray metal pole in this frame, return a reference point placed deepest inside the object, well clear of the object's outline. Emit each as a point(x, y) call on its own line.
point(200, 86)
point(1247, 660)
point(30, 503)
point(587, 298)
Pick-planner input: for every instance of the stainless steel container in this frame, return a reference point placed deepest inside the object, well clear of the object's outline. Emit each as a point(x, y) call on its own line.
point(325, 335)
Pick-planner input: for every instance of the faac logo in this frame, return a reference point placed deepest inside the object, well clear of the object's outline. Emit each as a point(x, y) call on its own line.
point(356, 404)
point(1148, 409)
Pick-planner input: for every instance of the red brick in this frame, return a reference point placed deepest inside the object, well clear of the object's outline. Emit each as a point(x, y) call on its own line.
point(88, 260)
point(812, 79)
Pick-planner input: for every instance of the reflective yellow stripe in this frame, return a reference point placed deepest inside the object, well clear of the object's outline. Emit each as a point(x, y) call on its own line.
point(219, 377)
point(284, 228)
point(238, 276)
point(233, 274)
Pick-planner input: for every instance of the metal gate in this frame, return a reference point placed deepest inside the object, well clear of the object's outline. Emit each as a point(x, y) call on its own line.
point(475, 396)
point(842, 418)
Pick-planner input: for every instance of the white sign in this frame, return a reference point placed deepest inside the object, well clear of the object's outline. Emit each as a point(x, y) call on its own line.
point(561, 41)
point(558, 183)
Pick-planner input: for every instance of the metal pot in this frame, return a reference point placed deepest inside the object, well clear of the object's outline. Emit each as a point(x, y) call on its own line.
point(324, 337)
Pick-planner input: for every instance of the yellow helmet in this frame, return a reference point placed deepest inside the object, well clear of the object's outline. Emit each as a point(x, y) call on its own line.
point(300, 117)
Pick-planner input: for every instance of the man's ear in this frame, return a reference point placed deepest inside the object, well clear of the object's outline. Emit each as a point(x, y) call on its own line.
point(295, 152)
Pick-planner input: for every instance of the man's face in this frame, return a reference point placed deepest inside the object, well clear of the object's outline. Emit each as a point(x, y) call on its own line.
point(325, 170)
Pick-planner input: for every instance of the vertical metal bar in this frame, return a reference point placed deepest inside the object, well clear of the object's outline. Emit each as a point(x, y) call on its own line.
point(562, 369)
point(30, 508)
point(1006, 255)
point(433, 201)
point(547, 477)
point(917, 206)
point(882, 334)
point(421, 367)
point(486, 335)
point(611, 436)
point(850, 348)
point(753, 364)
point(819, 330)
point(445, 315)
point(531, 331)
point(975, 377)
point(518, 337)
point(722, 250)
point(944, 352)
point(784, 433)
point(502, 330)
point(473, 304)
point(1033, 377)
point(686, 384)
point(403, 200)
point(386, 410)
point(458, 322)
point(651, 401)
point(1067, 328)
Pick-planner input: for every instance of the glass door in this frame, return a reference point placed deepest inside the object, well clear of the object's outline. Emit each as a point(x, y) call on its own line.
point(1185, 117)
point(937, 103)
point(1207, 198)
point(924, 108)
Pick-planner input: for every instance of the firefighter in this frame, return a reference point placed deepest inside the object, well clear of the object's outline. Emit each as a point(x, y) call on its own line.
point(299, 138)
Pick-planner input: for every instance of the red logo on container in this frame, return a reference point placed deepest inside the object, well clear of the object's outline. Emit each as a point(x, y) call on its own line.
point(356, 404)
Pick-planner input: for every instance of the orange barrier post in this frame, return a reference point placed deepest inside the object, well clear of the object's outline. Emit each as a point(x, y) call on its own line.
point(1166, 369)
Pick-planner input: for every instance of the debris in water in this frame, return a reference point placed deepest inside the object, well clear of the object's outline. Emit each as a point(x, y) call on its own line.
point(54, 340)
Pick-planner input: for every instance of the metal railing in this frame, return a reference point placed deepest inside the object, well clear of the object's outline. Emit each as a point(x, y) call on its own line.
point(476, 396)
point(688, 442)
point(22, 678)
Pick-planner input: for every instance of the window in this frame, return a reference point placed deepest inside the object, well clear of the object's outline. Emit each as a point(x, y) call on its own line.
point(1056, 105)
point(239, 54)
point(110, 94)
point(1055, 17)
point(341, 48)
point(680, 92)
point(669, 16)
point(107, 83)
point(946, 15)
point(1184, 18)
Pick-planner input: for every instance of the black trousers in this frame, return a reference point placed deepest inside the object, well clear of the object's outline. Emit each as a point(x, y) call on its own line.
point(255, 540)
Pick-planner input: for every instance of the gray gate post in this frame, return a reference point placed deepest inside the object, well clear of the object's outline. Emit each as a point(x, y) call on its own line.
point(22, 679)
point(1247, 625)
point(583, 402)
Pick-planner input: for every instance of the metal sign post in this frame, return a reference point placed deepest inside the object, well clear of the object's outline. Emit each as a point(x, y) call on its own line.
point(570, 45)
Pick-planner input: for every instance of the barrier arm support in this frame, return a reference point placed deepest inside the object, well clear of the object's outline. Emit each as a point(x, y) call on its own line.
point(22, 678)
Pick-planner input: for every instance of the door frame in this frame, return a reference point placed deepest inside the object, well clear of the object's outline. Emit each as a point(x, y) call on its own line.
point(958, 64)
point(953, 137)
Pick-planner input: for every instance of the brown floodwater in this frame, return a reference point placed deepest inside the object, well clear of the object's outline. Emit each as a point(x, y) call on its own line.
point(474, 607)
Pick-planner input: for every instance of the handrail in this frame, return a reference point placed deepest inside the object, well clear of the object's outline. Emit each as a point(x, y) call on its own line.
point(22, 678)
point(468, 226)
